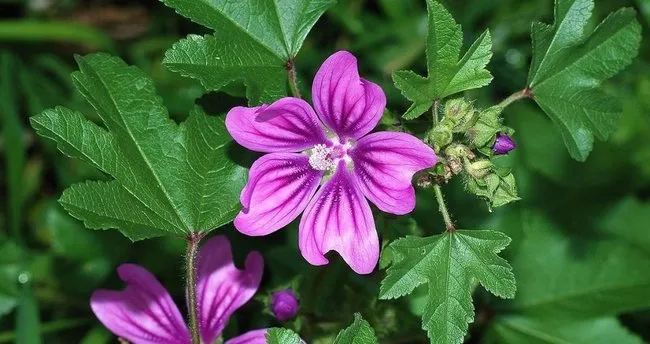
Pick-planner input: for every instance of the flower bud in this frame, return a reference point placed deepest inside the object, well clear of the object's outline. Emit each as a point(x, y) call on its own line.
point(284, 304)
point(503, 144)
point(441, 136)
point(479, 169)
point(458, 108)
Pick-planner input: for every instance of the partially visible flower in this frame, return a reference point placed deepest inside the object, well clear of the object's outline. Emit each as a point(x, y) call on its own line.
point(503, 144)
point(144, 312)
point(330, 145)
point(284, 304)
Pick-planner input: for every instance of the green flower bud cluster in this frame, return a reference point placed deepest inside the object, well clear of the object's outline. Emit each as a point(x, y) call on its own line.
point(463, 139)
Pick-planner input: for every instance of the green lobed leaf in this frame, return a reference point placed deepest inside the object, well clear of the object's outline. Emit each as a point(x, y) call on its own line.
point(570, 63)
point(253, 41)
point(559, 278)
point(519, 329)
point(450, 263)
point(448, 73)
point(169, 178)
point(282, 336)
point(360, 332)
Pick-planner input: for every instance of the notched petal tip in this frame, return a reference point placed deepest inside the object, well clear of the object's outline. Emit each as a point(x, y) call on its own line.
point(287, 125)
point(339, 219)
point(349, 105)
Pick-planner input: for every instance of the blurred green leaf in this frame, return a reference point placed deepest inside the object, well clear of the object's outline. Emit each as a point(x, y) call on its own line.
point(53, 31)
point(447, 74)
point(518, 329)
point(360, 332)
point(253, 42)
point(568, 67)
point(629, 220)
point(168, 178)
point(450, 263)
point(560, 278)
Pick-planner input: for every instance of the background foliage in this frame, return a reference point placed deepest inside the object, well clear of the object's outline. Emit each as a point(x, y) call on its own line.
point(580, 247)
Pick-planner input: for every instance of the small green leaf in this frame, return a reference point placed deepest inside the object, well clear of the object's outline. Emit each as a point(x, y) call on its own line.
point(168, 178)
point(253, 41)
point(570, 63)
point(519, 329)
point(449, 263)
point(282, 336)
point(448, 73)
point(360, 332)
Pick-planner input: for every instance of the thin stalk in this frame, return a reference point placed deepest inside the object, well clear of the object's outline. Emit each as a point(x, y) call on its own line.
point(443, 208)
point(293, 80)
point(525, 93)
point(193, 240)
point(434, 111)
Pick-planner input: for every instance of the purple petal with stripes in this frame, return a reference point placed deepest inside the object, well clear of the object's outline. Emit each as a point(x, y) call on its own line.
point(288, 125)
point(143, 312)
point(347, 104)
point(384, 165)
point(221, 287)
point(279, 188)
point(339, 218)
point(251, 337)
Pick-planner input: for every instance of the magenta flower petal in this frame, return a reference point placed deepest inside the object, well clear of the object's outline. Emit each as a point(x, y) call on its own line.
point(288, 125)
point(339, 218)
point(384, 165)
point(279, 187)
point(143, 312)
point(222, 288)
point(347, 104)
point(251, 337)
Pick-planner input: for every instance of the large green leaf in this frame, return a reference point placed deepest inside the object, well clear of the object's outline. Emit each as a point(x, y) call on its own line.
point(519, 329)
point(561, 278)
point(360, 332)
point(448, 73)
point(253, 41)
point(450, 263)
point(629, 220)
point(569, 64)
point(168, 178)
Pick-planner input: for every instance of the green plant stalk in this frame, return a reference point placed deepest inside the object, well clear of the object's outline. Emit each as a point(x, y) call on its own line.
point(193, 240)
point(293, 79)
point(434, 111)
point(54, 31)
point(443, 209)
point(525, 93)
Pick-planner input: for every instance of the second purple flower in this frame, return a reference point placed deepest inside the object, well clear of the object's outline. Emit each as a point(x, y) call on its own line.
point(329, 146)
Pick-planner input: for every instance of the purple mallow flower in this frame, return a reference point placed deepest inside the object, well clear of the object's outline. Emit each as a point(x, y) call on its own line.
point(327, 145)
point(144, 312)
point(503, 144)
point(284, 304)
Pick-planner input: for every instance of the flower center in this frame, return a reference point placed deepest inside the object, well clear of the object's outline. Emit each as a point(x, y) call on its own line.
point(324, 158)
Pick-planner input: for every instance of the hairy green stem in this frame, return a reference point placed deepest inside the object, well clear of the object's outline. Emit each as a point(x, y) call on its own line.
point(443, 208)
point(434, 112)
point(525, 93)
point(293, 82)
point(193, 240)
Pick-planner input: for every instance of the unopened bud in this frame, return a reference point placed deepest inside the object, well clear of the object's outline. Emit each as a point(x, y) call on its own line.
point(441, 136)
point(479, 169)
point(457, 108)
point(284, 304)
point(503, 144)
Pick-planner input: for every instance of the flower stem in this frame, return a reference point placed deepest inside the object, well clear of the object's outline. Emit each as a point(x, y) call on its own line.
point(434, 112)
point(293, 82)
point(193, 240)
point(525, 93)
point(443, 208)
